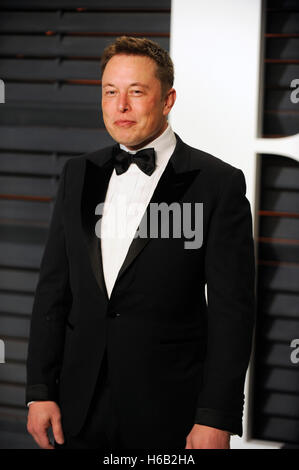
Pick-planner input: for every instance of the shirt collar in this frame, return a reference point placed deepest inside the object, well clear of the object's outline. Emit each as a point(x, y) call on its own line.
point(164, 146)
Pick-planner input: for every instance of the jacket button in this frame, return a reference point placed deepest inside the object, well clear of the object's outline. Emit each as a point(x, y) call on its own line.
point(113, 314)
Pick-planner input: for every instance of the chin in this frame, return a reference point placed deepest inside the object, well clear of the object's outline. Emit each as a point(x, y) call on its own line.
point(127, 141)
point(122, 138)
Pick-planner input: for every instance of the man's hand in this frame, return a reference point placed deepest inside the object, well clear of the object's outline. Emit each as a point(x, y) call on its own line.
point(42, 415)
point(205, 437)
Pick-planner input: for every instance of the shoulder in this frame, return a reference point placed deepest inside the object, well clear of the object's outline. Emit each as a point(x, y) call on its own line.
point(216, 172)
point(209, 162)
point(203, 160)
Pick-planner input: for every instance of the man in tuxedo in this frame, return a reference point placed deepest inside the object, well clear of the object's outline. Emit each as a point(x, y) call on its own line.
point(125, 349)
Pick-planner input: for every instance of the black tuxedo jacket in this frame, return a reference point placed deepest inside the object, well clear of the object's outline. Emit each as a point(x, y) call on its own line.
point(174, 358)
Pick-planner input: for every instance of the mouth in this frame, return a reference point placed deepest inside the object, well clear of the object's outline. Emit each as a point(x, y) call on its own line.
point(124, 123)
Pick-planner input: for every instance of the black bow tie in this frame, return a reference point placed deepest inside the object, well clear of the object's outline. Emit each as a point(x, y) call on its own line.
point(145, 159)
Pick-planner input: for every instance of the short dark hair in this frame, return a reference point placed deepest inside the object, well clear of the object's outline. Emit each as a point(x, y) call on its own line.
point(129, 45)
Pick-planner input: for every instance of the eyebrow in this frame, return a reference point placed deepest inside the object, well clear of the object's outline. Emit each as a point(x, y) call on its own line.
point(132, 84)
point(139, 84)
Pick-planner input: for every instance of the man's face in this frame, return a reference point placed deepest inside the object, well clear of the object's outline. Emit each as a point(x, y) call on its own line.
point(134, 109)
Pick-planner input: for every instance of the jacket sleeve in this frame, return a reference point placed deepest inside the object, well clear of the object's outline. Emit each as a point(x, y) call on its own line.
point(51, 305)
point(230, 277)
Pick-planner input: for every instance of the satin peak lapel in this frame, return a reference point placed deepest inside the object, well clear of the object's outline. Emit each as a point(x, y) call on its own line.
point(95, 185)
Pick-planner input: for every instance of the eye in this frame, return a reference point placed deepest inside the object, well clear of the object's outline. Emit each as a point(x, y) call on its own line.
point(136, 92)
point(110, 92)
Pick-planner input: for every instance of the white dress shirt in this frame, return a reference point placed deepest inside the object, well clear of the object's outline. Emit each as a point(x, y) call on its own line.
point(126, 200)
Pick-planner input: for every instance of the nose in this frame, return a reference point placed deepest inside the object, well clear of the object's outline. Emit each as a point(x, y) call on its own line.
point(123, 104)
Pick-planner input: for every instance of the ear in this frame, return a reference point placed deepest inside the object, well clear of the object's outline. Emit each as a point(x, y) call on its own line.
point(169, 101)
